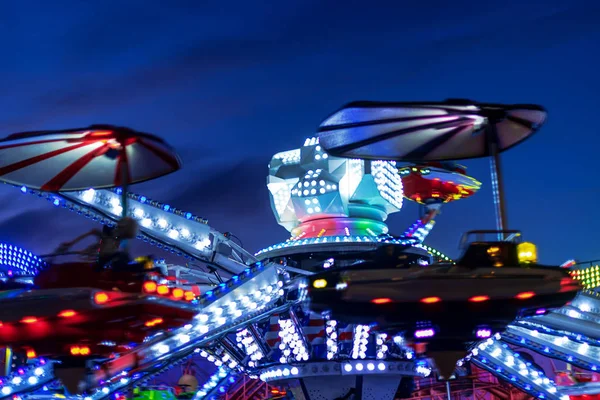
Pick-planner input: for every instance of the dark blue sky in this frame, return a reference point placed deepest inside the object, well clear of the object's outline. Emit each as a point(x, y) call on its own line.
point(229, 83)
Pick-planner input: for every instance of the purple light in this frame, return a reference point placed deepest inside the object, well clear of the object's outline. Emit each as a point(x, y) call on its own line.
point(540, 311)
point(483, 333)
point(424, 333)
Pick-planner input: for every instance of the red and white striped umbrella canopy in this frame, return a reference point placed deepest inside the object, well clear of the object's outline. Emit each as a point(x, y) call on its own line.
point(78, 159)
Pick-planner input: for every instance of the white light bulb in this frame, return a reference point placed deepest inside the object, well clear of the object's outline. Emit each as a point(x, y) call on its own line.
point(146, 222)
point(88, 195)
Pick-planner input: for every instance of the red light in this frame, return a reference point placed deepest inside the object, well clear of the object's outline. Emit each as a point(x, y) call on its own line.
point(162, 289)
point(1, 324)
point(381, 300)
point(150, 287)
point(84, 351)
point(100, 298)
point(524, 295)
point(430, 300)
point(31, 353)
point(29, 320)
point(567, 282)
point(67, 313)
point(75, 350)
point(178, 293)
point(479, 299)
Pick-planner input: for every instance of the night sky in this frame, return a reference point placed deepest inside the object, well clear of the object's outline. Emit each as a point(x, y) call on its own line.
point(230, 83)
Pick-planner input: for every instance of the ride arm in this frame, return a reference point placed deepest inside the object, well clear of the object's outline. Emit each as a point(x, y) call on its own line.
point(93, 232)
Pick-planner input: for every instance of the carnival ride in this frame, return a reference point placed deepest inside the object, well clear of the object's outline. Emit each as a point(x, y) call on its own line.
point(252, 318)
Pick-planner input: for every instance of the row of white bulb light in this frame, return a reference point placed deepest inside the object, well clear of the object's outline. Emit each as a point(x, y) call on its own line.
point(505, 356)
point(382, 347)
point(359, 344)
point(212, 383)
point(215, 317)
point(246, 341)
point(388, 182)
point(564, 342)
point(222, 360)
point(211, 319)
point(30, 377)
point(279, 373)
point(331, 338)
point(292, 342)
point(200, 242)
point(422, 231)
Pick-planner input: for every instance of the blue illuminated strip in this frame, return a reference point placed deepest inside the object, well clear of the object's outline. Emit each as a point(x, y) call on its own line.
point(498, 359)
point(26, 379)
point(96, 209)
point(18, 261)
point(560, 347)
point(340, 239)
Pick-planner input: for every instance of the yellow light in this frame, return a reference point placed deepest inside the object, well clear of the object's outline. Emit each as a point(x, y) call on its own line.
point(319, 283)
point(527, 253)
point(493, 251)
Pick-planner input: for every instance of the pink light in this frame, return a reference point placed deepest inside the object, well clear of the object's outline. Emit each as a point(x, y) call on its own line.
point(424, 333)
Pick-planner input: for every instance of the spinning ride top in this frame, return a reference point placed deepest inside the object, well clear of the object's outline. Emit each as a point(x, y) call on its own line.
point(432, 131)
point(99, 156)
point(434, 183)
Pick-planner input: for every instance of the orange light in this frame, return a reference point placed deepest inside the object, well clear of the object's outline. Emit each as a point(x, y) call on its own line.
point(83, 350)
point(479, 299)
point(381, 300)
point(153, 322)
point(67, 313)
point(430, 300)
point(525, 295)
point(29, 320)
point(189, 296)
point(178, 293)
point(150, 287)
point(162, 289)
point(31, 353)
point(0, 324)
point(100, 298)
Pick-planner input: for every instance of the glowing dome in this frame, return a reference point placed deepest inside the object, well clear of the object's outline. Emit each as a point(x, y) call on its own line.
point(314, 195)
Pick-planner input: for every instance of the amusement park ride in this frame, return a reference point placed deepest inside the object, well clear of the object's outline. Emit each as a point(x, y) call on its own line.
point(343, 309)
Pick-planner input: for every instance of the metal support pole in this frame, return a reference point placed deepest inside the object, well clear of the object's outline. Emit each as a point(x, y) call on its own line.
point(448, 390)
point(124, 181)
point(497, 188)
